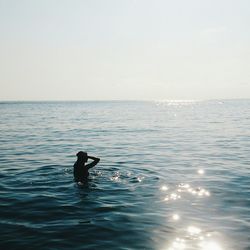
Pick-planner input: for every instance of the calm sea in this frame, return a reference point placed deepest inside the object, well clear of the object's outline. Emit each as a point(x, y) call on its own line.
point(172, 175)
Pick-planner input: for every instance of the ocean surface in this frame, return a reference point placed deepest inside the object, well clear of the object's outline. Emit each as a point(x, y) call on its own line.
point(173, 175)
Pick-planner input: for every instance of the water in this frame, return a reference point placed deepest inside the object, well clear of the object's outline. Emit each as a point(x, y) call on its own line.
point(172, 176)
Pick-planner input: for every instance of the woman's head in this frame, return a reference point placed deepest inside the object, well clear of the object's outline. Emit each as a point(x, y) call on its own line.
point(83, 156)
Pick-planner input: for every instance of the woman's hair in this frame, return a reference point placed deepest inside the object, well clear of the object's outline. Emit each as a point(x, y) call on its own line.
point(82, 156)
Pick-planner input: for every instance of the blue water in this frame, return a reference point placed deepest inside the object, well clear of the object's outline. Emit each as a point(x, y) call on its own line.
point(172, 175)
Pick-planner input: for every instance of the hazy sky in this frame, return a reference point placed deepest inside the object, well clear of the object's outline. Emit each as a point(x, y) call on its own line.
point(124, 49)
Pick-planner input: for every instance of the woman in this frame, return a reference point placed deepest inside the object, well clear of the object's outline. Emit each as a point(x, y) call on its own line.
point(81, 172)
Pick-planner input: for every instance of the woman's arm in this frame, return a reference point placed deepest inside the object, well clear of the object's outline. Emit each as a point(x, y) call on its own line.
point(92, 164)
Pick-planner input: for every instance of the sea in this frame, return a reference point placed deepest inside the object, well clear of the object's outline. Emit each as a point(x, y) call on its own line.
point(173, 175)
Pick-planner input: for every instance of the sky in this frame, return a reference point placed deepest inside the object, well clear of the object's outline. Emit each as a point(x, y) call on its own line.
point(124, 49)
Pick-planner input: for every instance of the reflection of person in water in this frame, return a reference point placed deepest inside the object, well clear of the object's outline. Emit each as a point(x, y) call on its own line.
point(81, 172)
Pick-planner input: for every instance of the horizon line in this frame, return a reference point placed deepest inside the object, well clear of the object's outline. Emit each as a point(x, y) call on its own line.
point(125, 100)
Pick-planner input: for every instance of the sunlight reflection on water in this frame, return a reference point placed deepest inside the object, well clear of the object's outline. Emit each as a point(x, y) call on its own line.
point(190, 237)
point(175, 217)
point(194, 238)
point(185, 189)
point(200, 171)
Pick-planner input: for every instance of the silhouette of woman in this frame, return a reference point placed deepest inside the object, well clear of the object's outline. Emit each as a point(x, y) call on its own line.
point(81, 172)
